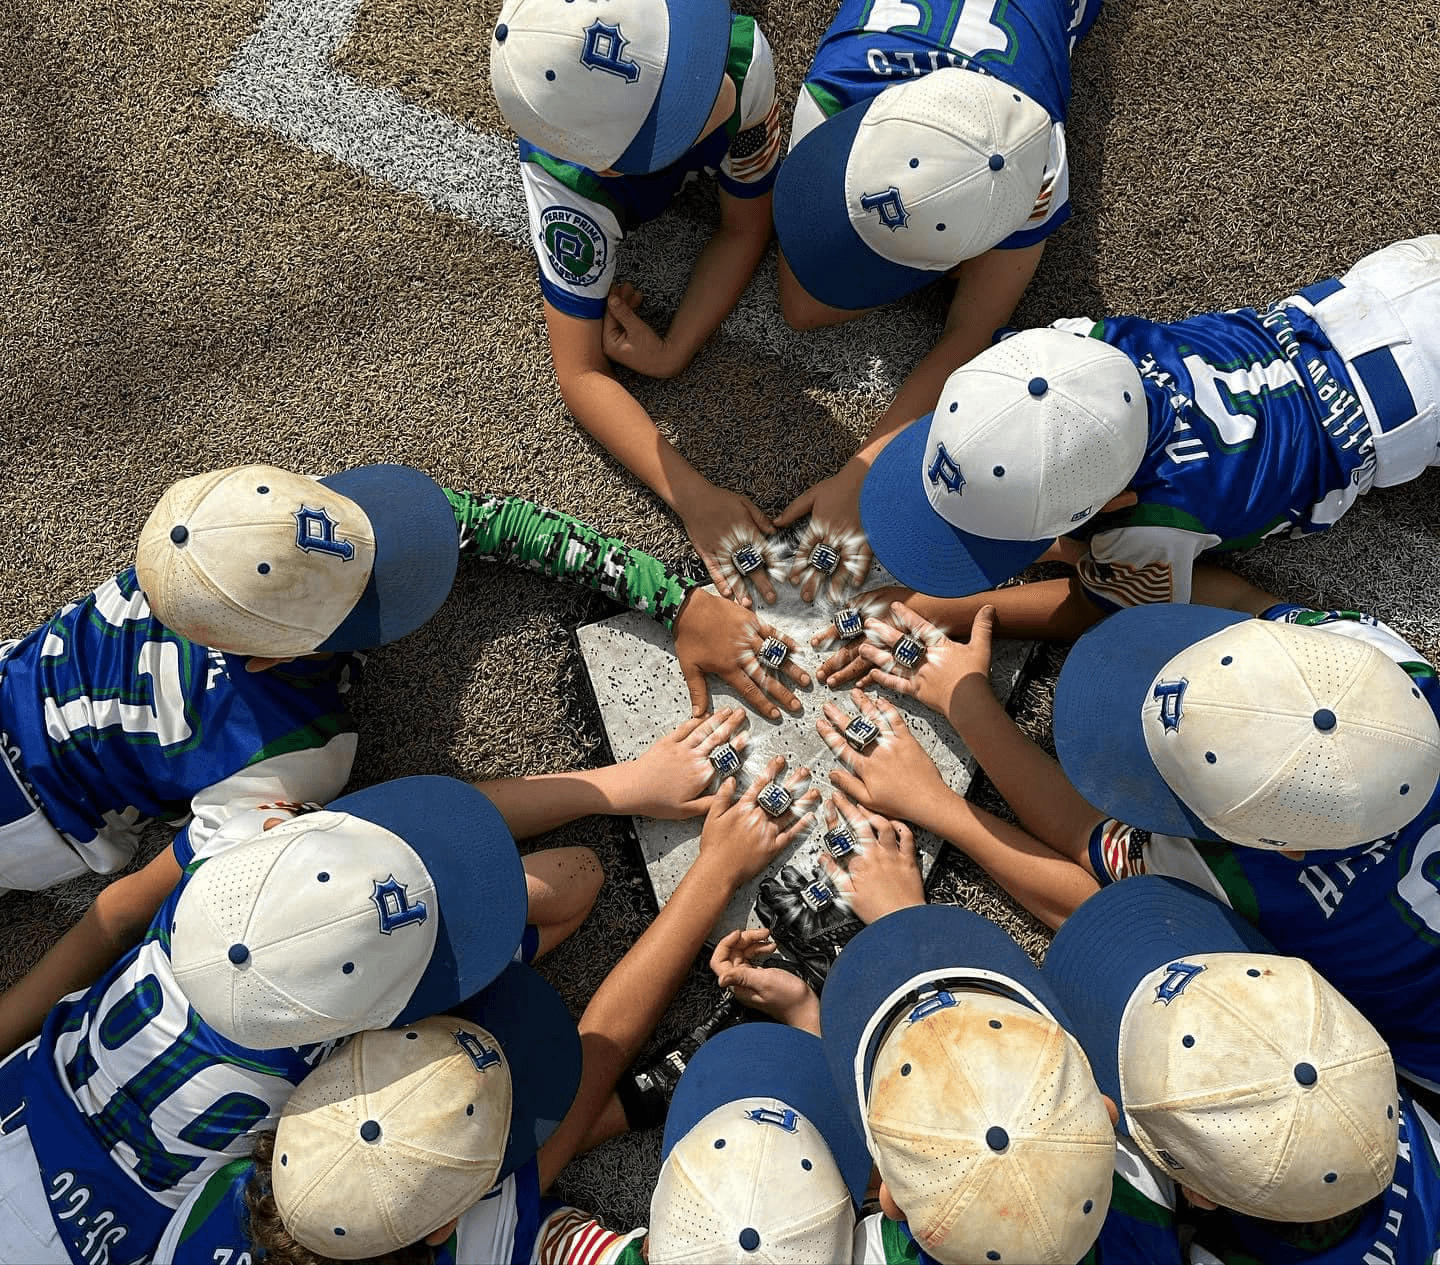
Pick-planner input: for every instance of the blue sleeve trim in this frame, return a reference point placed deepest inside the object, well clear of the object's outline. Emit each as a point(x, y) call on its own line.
point(571, 304)
point(182, 847)
point(1097, 856)
point(527, 1211)
point(754, 189)
point(529, 944)
point(1280, 610)
point(1029, 236)
point(1104, 603)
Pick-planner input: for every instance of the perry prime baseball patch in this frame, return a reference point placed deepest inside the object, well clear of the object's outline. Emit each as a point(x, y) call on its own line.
point(575, 243)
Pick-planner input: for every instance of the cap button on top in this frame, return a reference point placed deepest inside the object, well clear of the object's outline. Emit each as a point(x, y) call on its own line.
point(1038, 387)
point(179, 535)
point(997, 161)
point(238, 954)
point(996, 1138)
point(1305, 1074)
point(501, 32)
point(1324, 719)
point(370, 1130)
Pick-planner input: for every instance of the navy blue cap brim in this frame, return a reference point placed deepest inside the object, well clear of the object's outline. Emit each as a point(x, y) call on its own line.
point(469, 853)
point(769, 1060)
point(1099, 736)
point(542, 1048)
point(699, 46)
point(1118, 937)
point(417, 549)
point(812, 222)
point(916, 545)
point(938, 939)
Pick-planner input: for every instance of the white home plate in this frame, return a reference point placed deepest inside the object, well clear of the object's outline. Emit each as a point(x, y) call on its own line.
point(642, 696)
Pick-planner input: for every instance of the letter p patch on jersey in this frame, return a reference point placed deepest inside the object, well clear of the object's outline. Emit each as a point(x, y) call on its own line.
point(315, 533)
point(605, 50)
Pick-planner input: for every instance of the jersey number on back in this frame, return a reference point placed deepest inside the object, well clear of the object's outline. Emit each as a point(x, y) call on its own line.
point(965, 26)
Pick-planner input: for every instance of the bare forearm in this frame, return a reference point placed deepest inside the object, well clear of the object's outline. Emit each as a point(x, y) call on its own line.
point(721, 274)
point(610, 413)
point(113, 924)
point(1214, 586)
point(1054, 610)
point(1029, 779)
point(1046, 883)
point(631, 999)
point(533, 804)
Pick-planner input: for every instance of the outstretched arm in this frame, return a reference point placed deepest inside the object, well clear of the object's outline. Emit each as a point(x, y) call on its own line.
point(722, 272)
point(738, 841)
point(609, 412)
point(113, 924)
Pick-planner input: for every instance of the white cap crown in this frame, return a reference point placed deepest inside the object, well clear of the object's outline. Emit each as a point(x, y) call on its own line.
point(944, 167)
point(1248, 1078)
point(1034, 436)
point(990, 1132)
point(316, 929)
point(1276, 735)
point(579, 80)
point(753, 1181)
point(254, 560)
point(391, 1137)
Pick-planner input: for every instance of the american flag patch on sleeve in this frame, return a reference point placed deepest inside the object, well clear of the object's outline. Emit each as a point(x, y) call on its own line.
point(570, 1237)
point(1117, 851)
point(1126, 584)
point(755, 151)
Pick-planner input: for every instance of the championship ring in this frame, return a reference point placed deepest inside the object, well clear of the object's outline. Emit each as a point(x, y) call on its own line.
point(839, 843)
point(908, 652)
point(773, 652)
point(824, 558)
point(849, 623)
point(774, 798)
point(860, 732)
point(747, 558)
point(816, 896)
point(725, 759)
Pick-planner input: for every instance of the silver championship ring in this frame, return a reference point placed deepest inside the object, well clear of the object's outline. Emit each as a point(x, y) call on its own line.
point(816, 896)
point(824, 559)
point(747, 559)
point(849, 623)
point(860, 732)
point(773, 652)
point(774, 798)
point(839, 843)
point(908, 652)
point(725, 760)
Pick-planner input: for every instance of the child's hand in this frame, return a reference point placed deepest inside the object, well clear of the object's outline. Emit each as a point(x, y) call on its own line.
point(836, 503)
point(881, 875)
point(852, 560)
point(670, 778)
point(845, 665)
point(719, 522)
point(893, 776)
point(772, 991)
point(740, 839)
point(713, 635)
point(628, 340)
point(948, 666)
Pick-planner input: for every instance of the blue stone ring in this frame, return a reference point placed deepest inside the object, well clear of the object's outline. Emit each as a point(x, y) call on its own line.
point(774, 799)
point(725, 760)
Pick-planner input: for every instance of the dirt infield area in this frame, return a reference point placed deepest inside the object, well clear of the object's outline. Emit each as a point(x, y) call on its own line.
point(291, 231)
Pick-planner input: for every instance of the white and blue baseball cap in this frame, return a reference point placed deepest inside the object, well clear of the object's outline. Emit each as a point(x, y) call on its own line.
point(954, 1058)
point(890, 194)
point(401, 1130)
point(611, 84)
point(255, 560)
point(1210, 724)
point(1028, 441)
point(396, 902)
point(1242, 1074)
point(760, 1160)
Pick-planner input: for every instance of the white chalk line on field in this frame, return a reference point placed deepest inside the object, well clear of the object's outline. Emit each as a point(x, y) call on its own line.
point(284, 79)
